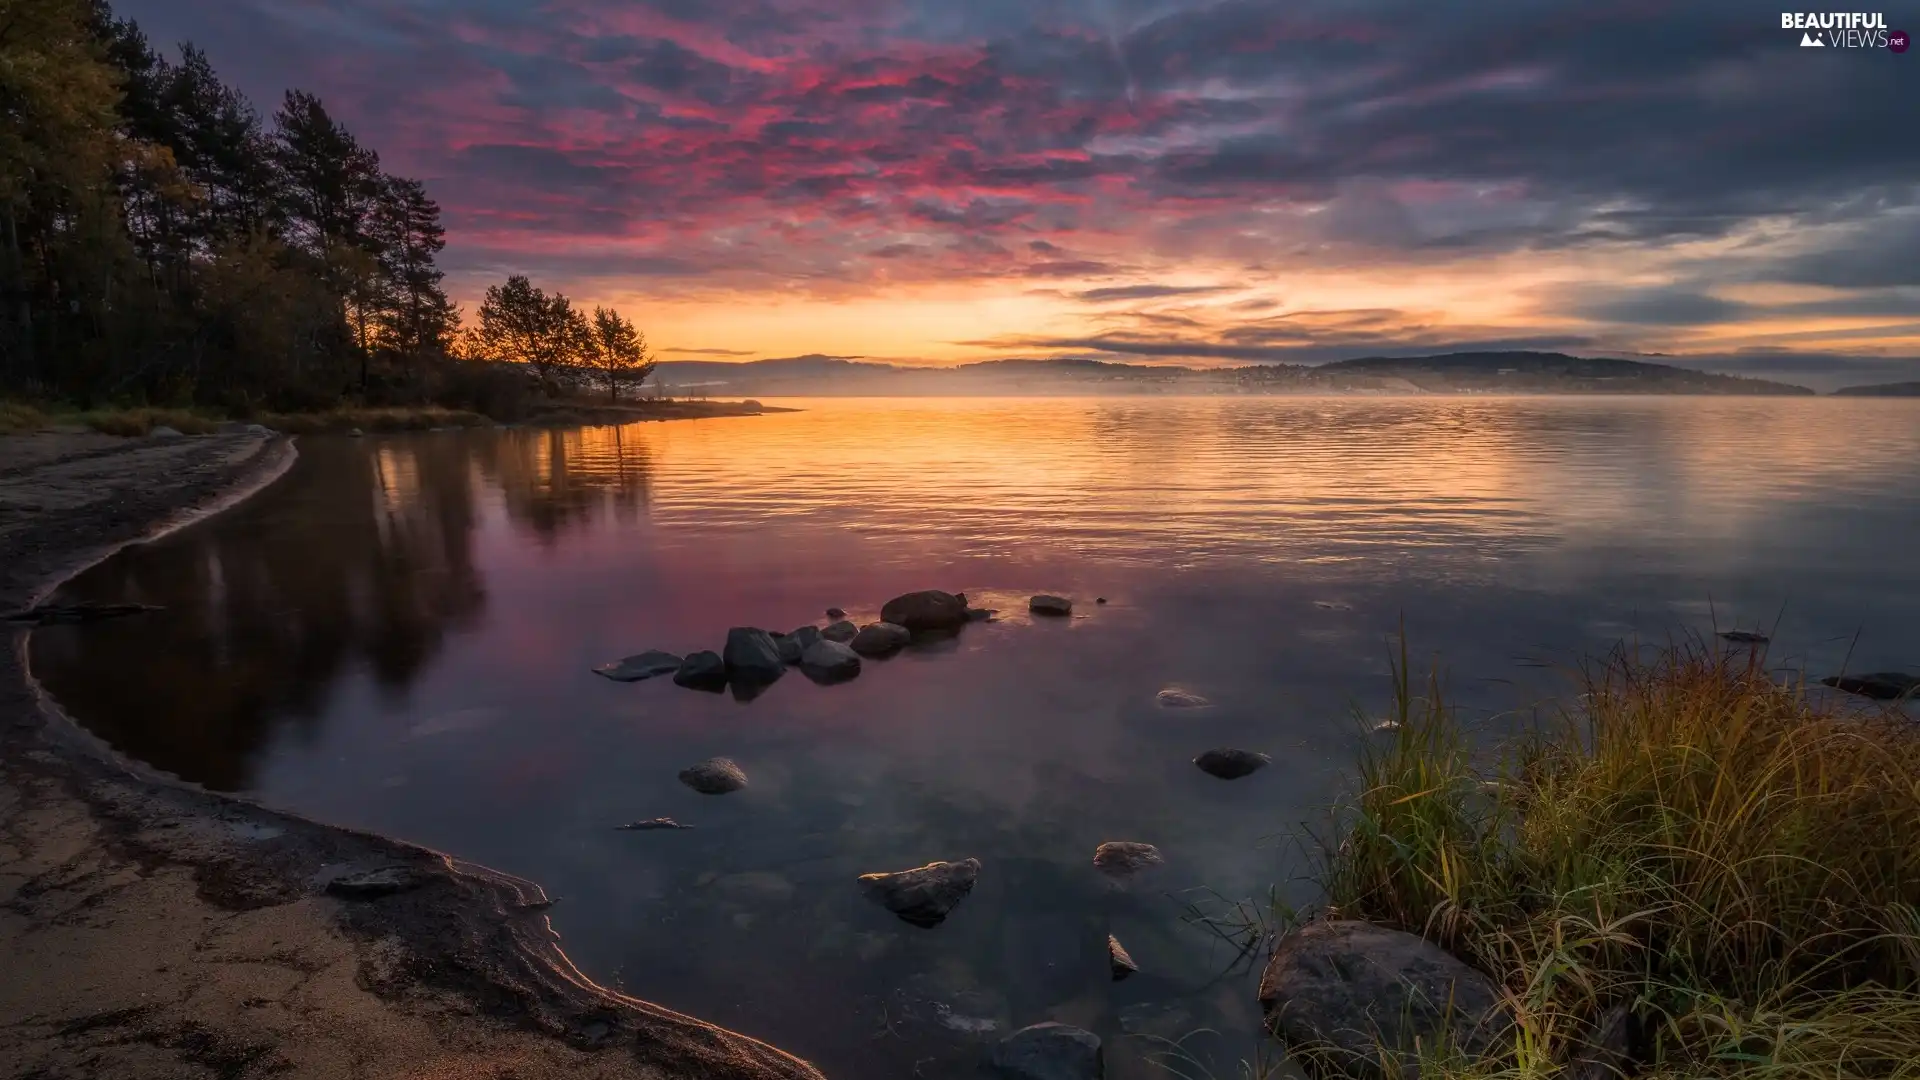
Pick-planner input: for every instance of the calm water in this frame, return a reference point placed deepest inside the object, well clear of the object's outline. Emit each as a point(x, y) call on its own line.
point(398, 634)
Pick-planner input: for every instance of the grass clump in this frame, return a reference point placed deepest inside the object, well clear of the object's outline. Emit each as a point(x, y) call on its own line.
point(1733, 860)
point(17, 418)
point(141, 420)
point(371, 419)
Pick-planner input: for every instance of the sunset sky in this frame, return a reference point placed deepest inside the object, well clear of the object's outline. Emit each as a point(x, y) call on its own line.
point(1144, 180)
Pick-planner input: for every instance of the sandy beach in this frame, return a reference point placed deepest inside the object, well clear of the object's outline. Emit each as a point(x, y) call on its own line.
point(153, 929)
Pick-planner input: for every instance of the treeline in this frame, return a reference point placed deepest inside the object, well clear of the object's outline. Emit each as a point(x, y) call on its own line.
point(161, 243)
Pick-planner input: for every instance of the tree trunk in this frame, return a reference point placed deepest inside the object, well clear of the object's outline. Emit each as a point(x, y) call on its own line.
point(16, 283)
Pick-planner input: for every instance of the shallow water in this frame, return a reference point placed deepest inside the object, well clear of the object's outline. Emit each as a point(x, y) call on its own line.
point(397, 635)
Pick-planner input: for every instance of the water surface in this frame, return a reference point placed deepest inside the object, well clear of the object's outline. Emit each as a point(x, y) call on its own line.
point(397, 636)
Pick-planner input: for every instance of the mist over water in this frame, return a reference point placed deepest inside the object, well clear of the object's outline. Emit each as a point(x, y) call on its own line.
point(398, 634)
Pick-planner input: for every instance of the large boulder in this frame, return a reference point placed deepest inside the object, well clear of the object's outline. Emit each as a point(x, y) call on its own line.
point(790, 649)
point(806, 636)
point(752, 657)
point(924, 895)
point(881, 639)
point(640, 666)
point(929, 609)
point(704, 670)
point(842, 631)
point(1360, 998)
point(829, 662)
point(1049, 1051)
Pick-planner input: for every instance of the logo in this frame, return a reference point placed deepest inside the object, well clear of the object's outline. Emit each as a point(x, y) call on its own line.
point(1898, 40)
point(1843, 30)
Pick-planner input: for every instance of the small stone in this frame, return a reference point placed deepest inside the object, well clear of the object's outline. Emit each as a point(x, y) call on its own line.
point(355, 432)
point(714, 776)
point(842, 631)
point(1118, 962)
point(1228, 763)
point(165, 432)
point(704, 670)
point(924, 895)
point(1745, 637)
point(1049, 1051)
point(836, 613)
point(1099, 599)
point(980, 614)
point(651, 824)
point(829, 662)
point(1120, 858)
point(1050, 605)
point(258, 429)
point(881, 639)
point(373, 884)
point(1175, 698)
point(640, 666)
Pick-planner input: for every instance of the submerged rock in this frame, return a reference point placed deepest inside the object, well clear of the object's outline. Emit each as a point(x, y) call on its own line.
point(714, 776)
point(842, 631)
point(881, 639)
point(1121, 858)
point(1050, 605)
point(924, 895)
point(1118, 962)
point(1228, 763)
point(789, 648)
point(836, 613)
point(829, 662)
point(1356, 992)
point(980, 614)
point(1744, 637)
point(929, 609)
point(752, 657)
point(704, 670)
point(651, 824)
point(373, 884)
point(1049, 1051)
point(640, 666)
point(1175, 698)
point(1099, 599)
point(1880, 686)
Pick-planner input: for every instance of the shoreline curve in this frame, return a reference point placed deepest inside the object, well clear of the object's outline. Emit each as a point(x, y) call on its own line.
point(118, 879)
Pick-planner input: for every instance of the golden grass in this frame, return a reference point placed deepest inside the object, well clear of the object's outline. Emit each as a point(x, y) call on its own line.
point(141, 420)
point(371, 420)
point(17, 418)
point(1732, 859)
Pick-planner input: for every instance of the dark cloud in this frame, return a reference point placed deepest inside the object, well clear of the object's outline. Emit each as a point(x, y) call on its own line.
point(1069, 268)
point(1881, 256)
point(1147, 292)
point(1657, 306)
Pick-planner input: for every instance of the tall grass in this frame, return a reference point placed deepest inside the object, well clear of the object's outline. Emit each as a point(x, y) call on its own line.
point(1730, 858)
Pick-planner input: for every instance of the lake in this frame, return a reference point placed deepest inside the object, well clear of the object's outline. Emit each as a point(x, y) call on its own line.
point(398, 635)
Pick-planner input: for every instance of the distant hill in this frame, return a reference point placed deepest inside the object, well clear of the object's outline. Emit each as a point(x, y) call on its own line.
point(1891, 389)
point(1449, 373)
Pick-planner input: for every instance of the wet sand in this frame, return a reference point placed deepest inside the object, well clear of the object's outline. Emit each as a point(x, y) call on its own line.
point(153, 929)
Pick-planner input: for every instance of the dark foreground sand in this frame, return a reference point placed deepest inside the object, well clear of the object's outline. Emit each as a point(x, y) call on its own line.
point(151, 929)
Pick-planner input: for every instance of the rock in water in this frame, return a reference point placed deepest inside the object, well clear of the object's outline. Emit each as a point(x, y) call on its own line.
point(1118, 962)
point(714, 776)
point(1099, 599)
point(789, 648)
point(84, 612)
point(836, 613)
point(640, 666)
point(752, 658)
point(1745, 637)
point(829, 662)
point(930, 609)
point(1049, 1051)
point(653, 823)
point(1120, 858)
point(923, 896)
point(980, 614)
point(1050, 605)
point(1354, 992)
point(806, 636)
point(842, 631)
point(881, 639)
point(1228, 763)
point(704, 670)
point(1880, 686)
point(1175, 698)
